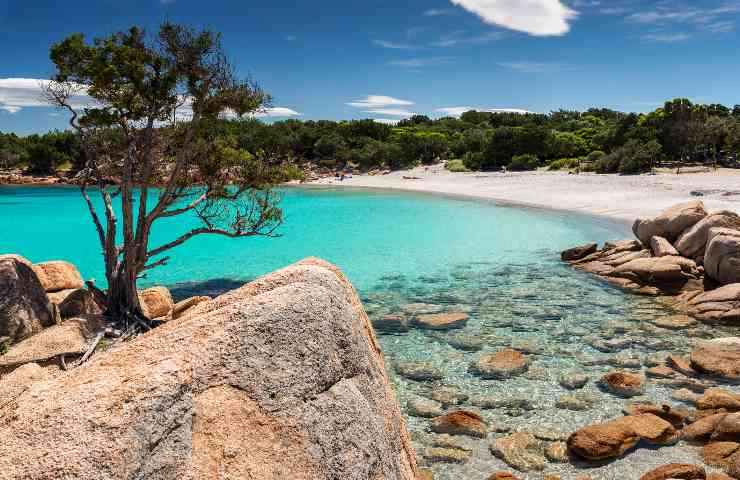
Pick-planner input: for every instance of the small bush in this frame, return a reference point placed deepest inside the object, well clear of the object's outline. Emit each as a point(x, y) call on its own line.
point(524, 162)
point(456, 165)
point(564, 163)
point(594, 156)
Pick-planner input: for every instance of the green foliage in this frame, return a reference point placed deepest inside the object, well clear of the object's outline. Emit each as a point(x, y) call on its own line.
point(523, 162)
point(632, 158)
point(564, 164)
point(456, 165)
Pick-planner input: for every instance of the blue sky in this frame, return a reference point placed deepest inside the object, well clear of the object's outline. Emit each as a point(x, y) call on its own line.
point(387, 59)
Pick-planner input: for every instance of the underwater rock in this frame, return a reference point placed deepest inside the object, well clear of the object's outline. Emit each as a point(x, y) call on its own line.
point(623, 384)
point(675, 322)
point(489, 402)
point(441, 321)
point(612, 439)
point(703, 428)
point(676, 471)
point(720, 357)
point(521, 451)
point(391, 323)
point(419, 371)
point(557, 452)
point(445, 455)
point(422, 407)
point(501, 365)
point(720, 454)
point(448, 396)
point(716, 398)
point(461, 422)
point(675, 416)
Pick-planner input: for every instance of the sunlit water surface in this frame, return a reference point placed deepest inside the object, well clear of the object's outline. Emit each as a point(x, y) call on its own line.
point(500, 264)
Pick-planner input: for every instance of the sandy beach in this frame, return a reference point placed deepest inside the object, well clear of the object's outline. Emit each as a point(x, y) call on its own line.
point(618, 197)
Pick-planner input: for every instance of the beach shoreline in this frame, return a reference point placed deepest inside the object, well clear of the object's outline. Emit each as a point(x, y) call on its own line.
point(616, 197)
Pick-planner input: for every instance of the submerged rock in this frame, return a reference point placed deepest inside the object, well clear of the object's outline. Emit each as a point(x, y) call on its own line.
point(445, 455)
point(720, 357)
point(281, 378)
point(623, 384)
point(612, 439)
point(676, 471)
point(717, 398)
point(448, 396)
point(442, 321)
point(501, 365)
point(419, 371)
point(24, 307)
point(422, 407)
point(521, 451)
point(557, 452)
point(461, 422)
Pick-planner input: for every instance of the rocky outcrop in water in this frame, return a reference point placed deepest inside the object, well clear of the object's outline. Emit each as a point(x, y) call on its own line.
point(282, 378)
point(683, 252)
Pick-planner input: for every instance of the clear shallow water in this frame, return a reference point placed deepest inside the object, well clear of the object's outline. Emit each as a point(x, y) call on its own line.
point(500, 264)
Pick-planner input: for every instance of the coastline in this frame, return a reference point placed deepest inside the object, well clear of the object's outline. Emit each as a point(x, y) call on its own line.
point(619, 198)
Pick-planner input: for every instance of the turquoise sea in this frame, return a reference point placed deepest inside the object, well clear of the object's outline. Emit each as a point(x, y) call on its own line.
point(498, 263)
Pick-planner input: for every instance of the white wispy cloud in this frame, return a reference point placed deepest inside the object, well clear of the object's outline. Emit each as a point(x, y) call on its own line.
point(421, 62)
point(668, 14)
point(458, 111)
point(277, 112)
point(666, 37)
point(383, 105)
point(375, 102)
point(535, 67)
point(438, 12)
point(460, 38)
point(394, 112)
point(535, 17)
point(386, 121)
point(19, 93)
point(395, 46)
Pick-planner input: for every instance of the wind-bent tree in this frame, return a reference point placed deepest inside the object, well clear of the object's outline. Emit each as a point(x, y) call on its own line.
point(157, 104)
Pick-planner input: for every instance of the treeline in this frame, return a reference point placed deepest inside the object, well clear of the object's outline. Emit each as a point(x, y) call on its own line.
point(599, 140)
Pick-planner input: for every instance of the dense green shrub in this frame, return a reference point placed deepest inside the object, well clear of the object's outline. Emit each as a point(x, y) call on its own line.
point(524, 162)
point(456, 165)
point(564, 164)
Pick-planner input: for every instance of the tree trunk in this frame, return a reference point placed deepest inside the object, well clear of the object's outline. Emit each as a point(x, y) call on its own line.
point(123, 298)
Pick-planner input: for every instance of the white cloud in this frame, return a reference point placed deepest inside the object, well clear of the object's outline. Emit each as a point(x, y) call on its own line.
point(395, 112)
point(457, 111)
point(375, 102)
point(536, 17)
point(535, 67)
point(457, 38)
point(19, 93)
point(386, 121)
point(421, 62)
point(277, 112)
point(395, 46)
point(666, 37)
point(438, 12)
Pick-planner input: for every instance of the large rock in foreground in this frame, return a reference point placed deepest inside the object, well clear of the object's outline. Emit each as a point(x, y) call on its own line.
point(717, 306)
point(282, 378)
point(24, 307)
point(671, 222)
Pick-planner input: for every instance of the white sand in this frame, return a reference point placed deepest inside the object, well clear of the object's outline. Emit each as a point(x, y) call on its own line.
point(618, 197)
